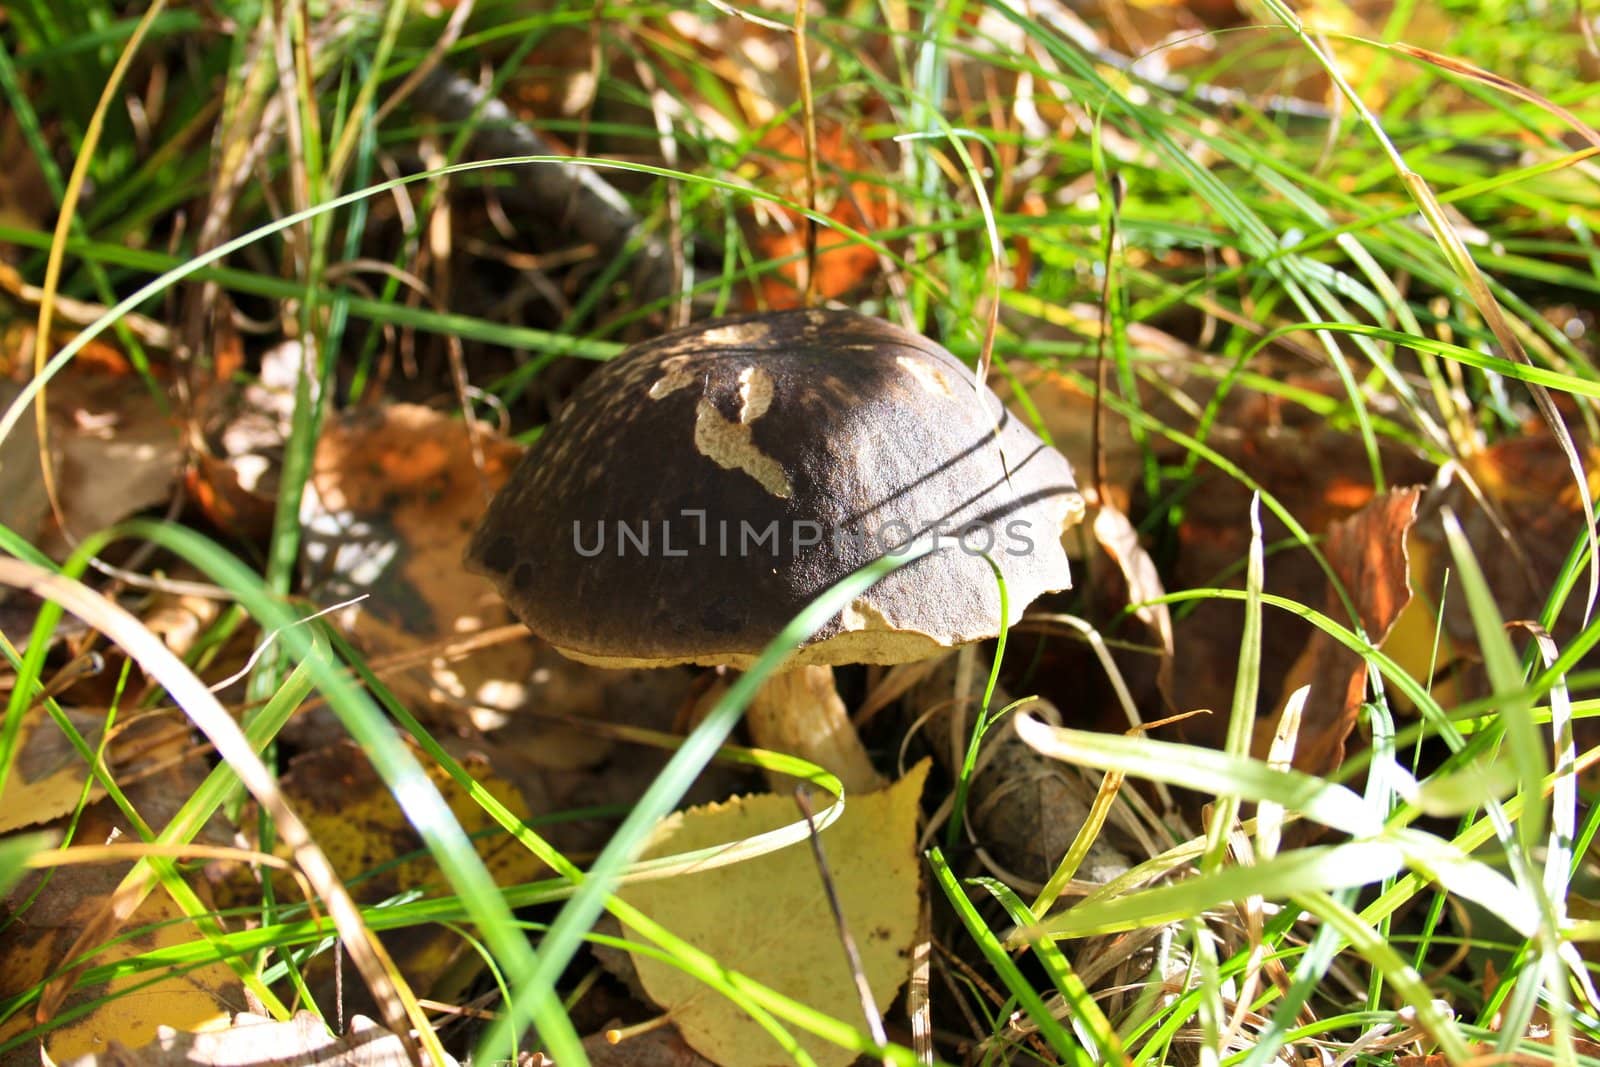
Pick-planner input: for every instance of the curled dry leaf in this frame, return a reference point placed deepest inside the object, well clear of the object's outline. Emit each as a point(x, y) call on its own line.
point(1526, 480)
point(768, 918)
point(302, 1041)
point(1118, 539)
point(1319, 476)
point(393, 495)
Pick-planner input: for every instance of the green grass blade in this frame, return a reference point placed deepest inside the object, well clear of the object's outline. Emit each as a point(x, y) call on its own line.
point(1060, 1040)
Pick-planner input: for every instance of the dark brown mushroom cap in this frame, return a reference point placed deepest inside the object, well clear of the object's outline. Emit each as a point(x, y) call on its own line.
point(703, 487)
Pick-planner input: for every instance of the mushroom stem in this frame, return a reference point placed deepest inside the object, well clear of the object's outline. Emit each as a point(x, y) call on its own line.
point(799, 712)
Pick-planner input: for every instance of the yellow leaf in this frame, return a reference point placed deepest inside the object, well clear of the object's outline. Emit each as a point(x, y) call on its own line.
point(769, 918)
point(353, 816)
point(46, 781)
point(48, 911)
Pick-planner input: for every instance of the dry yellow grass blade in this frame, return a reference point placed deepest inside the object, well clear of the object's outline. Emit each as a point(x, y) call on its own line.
point(58, 240)
point(401, 1010)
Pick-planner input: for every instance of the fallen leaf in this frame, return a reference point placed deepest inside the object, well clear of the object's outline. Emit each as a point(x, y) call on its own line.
point(569, 760)
point(353, 816)
point(1067, 414)
point(768, 918)
point(48, 776)
point(23, 503)
point(393, 496)
point(47, 780)
point(864, 205)
point(1115, 535)
point(1368, 553)
point(1525, 479)
point(302, 1041)
point(1319, 476)
point(42, 917)
point(26, 201)
point(120, 450)
point(115, 449)
point(238, 456)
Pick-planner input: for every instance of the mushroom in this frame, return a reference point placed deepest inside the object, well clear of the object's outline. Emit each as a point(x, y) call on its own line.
point(704, 486)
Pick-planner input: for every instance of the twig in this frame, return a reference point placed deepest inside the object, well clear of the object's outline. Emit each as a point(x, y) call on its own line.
point(808, 113)
point(151, 333)
point(869, 1007)
point(1097, 451)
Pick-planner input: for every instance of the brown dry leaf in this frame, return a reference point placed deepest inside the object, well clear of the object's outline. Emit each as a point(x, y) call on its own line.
point(42, 925)
point(1067, 413)
point(114, 449)
point(302, 1041)
point(25, 198)
point(120, 450)
point(1368, 553)
point(1320, 476)
point(574, 762)
point(393, 496)
point(1538, 1026)
point(234, 477)
point(23, 503)
point(1169, 37)
point(768, 918)
point(842, 264)
point(1526, 480)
